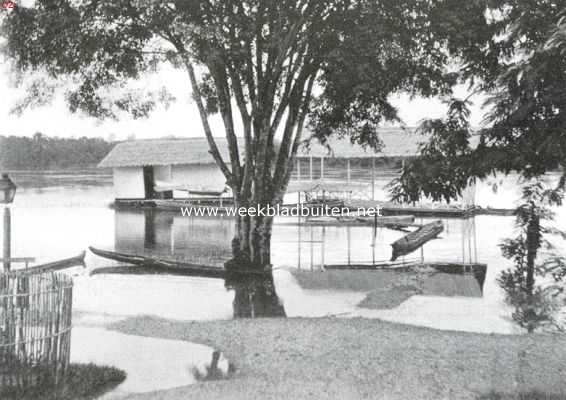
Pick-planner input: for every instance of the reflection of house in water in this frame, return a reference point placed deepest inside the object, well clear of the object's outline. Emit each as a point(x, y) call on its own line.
point(207, 240)
point(198, 240)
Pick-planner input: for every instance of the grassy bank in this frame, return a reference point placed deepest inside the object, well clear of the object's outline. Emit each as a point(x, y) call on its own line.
point(389, 288)
point(332, 358)
point(82, 382)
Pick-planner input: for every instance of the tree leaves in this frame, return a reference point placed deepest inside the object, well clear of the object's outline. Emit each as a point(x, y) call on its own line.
point(445, 166)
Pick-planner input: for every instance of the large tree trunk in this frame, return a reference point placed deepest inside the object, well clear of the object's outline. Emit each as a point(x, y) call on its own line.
point(255, 295)
point(252, 242)
point(533, 244)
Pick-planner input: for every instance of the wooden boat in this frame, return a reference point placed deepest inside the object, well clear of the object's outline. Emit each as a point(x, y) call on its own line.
point(322, 220)
point(396, 265)
point(145, 265)
point(55, 265)
point(160, 270)
point(387, 220)
point(416, 239)
point(322, 203)
point(393, 221)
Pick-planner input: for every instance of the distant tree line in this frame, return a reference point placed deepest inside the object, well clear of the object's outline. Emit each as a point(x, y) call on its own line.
point(43, 152)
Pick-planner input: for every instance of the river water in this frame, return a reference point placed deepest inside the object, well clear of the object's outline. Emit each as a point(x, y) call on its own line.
point(57, 215)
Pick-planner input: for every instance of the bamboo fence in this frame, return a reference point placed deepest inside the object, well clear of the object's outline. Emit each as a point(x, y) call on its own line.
point(35, 329)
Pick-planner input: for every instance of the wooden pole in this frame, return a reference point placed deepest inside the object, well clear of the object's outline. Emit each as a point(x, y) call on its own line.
point(7, 239)
point(321, 168)
point(172, 237)
point(312, 249)
point(310, 165)
point(374, 236)
point(373, 178)
point(469, 232)
point(463, 242)
point(298, 169)
point(299, 230)
point(348, 169)
point(348, 235)
point(475, 240)
point(322, 248)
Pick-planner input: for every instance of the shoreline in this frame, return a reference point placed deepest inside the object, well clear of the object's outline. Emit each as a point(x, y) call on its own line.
point(328, 358)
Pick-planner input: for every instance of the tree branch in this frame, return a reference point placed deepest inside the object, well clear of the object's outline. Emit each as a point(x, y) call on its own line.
point(204, 119)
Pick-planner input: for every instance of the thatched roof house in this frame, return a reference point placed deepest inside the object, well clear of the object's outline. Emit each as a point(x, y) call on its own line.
point(137, 153)
point(397, 142)
point(170, 167)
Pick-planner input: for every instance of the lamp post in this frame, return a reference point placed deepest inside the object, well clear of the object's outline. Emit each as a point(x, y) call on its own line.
point(7, 194)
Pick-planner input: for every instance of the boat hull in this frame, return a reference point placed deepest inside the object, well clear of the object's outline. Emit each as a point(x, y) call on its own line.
point(416, 239)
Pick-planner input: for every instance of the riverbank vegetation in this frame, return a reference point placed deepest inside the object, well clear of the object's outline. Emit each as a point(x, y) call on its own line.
point(82, 382)
point(537, 305)
point(41, 152)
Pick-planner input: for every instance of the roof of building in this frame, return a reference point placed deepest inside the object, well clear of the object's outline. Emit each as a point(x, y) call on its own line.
point(163, 152)
point(396, 143)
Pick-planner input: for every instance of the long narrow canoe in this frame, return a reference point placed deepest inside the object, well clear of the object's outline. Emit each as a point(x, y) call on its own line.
point(360, 220)
point(150, 265)
point(55, 265)
point(160, 270)
point(386, 220)
point(414, 240)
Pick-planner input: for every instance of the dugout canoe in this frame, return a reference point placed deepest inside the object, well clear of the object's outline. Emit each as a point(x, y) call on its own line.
point(414, 240)
point(393, 221)
point(160, 270)
point(387, 220)
point(55, 265)
point(150, 265)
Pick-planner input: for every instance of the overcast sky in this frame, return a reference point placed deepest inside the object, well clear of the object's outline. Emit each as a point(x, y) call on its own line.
point(180, 119)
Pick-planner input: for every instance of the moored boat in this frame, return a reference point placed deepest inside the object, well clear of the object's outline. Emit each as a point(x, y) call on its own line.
point(357, 220)
point(152, 265)
point(414, 240)
point(55, 265)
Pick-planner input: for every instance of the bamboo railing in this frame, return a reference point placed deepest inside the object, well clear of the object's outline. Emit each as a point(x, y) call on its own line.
point(35, 329)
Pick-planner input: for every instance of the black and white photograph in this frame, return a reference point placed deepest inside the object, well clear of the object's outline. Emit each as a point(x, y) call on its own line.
point(283, 199)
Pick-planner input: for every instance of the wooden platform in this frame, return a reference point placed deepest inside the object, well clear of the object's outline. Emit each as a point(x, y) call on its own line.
point(388, 209)
point(435, 210)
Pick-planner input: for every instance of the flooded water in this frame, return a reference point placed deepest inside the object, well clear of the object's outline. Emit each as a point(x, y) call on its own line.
point(56, 216)
point(150, 364)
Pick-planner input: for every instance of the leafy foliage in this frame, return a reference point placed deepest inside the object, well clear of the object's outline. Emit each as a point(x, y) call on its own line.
point(445, 164)
point(535, 305)
point(514, 53)
point(257, 62)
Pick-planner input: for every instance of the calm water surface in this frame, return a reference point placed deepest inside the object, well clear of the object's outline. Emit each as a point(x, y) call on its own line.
point(58, 215)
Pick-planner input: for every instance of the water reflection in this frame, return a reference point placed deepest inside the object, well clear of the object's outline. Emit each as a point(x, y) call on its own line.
point(255, 297)
point(206, 241)
point(72, 214)
point(195, 240)
point(150, 363)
